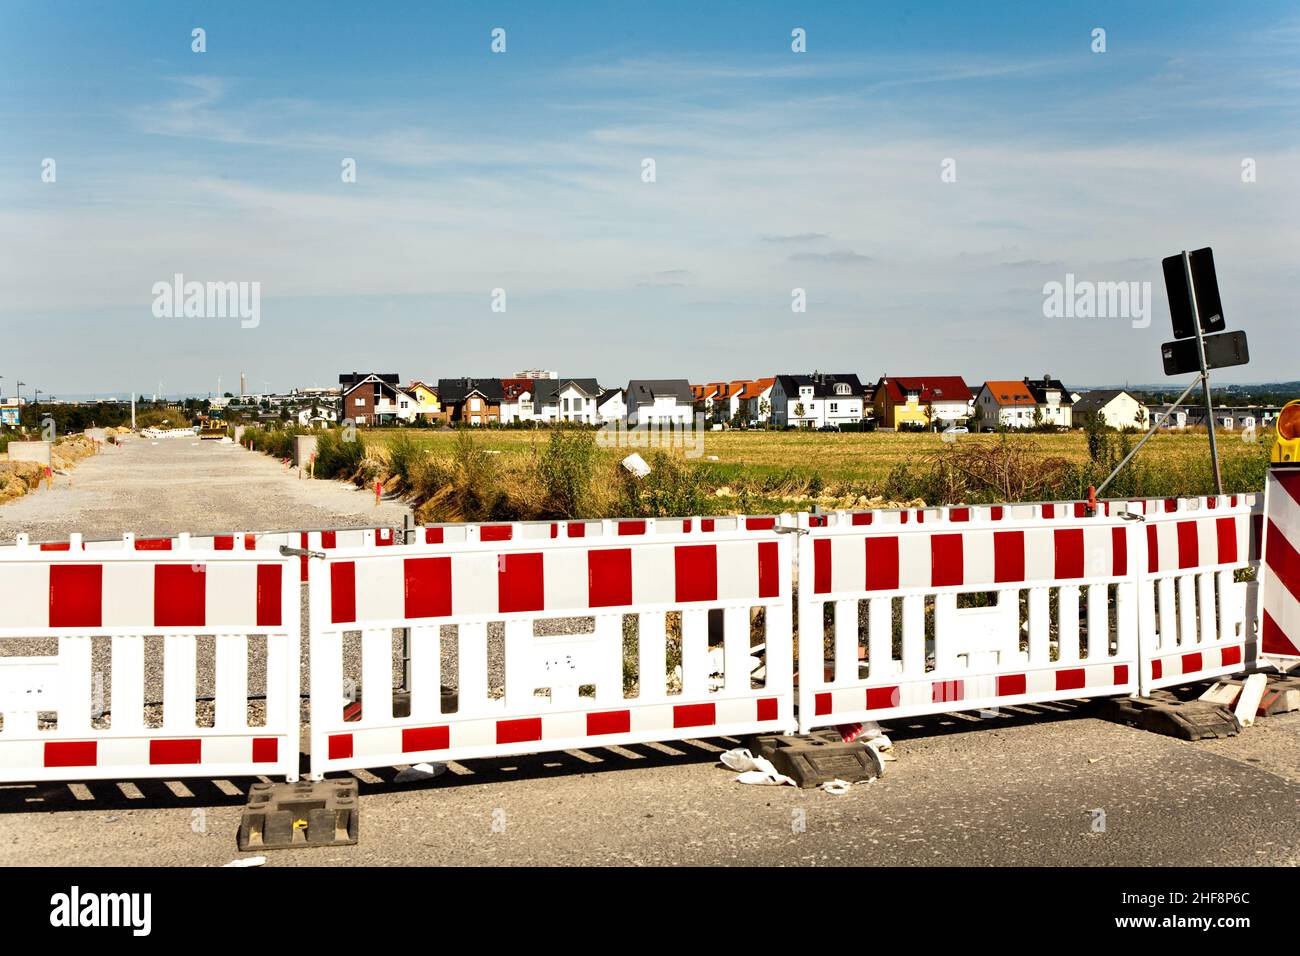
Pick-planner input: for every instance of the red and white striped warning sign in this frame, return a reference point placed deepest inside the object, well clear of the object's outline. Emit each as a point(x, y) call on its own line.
point(1280, 603)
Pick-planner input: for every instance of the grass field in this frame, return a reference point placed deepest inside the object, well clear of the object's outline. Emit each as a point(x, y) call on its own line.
point(868, 458)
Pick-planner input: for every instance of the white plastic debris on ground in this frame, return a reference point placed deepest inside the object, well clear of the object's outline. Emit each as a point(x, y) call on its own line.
point(1252, 692)
point(753, 770)
point(245, 861)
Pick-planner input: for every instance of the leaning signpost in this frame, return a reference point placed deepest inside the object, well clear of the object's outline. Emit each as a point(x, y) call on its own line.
point(1200, 344)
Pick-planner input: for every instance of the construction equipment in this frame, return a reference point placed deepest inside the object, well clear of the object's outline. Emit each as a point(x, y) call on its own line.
point(213, 428)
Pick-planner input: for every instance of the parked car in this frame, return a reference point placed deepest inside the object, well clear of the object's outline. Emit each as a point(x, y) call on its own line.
point(956, 430)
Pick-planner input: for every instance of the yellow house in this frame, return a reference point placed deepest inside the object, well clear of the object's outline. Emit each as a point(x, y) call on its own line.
point(427, 405)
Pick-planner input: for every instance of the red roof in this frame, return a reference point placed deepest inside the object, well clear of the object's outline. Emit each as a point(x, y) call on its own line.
point(931, 388)
point(1010, 393)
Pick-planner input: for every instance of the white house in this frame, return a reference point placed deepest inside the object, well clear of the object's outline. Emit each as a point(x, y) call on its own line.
point(575, 399)
point(659, 401)
point(1053, 399)
point(1117, 407)
point(610, 406)
point(817, 400)
point(1005, 404)
point(756, 400)
point(317, 414)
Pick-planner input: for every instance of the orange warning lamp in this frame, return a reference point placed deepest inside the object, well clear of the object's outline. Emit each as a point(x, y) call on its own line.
point(1286, 449)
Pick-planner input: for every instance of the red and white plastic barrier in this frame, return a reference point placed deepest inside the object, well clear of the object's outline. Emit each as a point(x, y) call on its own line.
point(968, 611)
point(103, 725)
point(1280, 584)
point(516, 584)
point(1197, 621)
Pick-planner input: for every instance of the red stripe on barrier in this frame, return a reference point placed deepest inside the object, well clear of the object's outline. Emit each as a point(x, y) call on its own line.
point(250, 542)
point(269, 612)
point(1075, 678)
point(947, 691)
point(882, 698)
point(760, 524)
point(1081, 509)
point(1068, 545)
point(609, 722)
point(1274, 640)
point(706, 524)
point(495, 532)
point(302, 559)
point(861, 517)
point(1008, 556)
point(521, 731)
point(433, 536)
point(881, 561)
point(266, 750)
point(1230, 656)
point(1191, 663)
point(631, 527)
point(945, 560)
point(179, 595)
point(694, 715)
point(769, 569)
point(1049, 511)
point(520, 582)
point(1153, 550)
point(1188, 547)
point(153, 544)
point(1226, 531)
point(766, 708)
point(329, 539)
point(425, 738)
point(57, 546)
point(176, 751)
point(686, 525)
point(576, 529)
point(76, 595)
point(343, 592)
point(995, 513)
point(1121, 674)
point(822, 566)
point(1171, 504)
point(340, 746)
point(822, 704)
point(1119, 552)
point(609, 577)
point(1157, 670)
point(223, 542)
point(427, 586)
point(1283, 561)
point(959, 514)
point(71, 753)
point(696, 568)
point(384, 537)
point(1011, 684)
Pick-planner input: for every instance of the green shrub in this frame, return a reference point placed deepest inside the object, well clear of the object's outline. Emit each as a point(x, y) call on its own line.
point(565, 469)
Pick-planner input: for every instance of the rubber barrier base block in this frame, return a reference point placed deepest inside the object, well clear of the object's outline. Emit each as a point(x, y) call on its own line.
point(402, 704)
point(1185, 719)
point(283, 816)
point(820, 757)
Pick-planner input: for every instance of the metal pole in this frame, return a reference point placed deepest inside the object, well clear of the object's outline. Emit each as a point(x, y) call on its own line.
point(1154, 428)
point(408, 537)
point(1205, 373)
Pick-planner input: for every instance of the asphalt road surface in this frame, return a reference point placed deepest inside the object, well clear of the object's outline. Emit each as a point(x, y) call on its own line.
point(1041, 785)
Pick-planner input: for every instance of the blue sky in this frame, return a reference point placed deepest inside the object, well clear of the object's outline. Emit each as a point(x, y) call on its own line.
point(522, 171)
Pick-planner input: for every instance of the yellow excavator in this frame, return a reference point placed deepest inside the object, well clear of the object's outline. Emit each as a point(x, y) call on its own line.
point(213, 428)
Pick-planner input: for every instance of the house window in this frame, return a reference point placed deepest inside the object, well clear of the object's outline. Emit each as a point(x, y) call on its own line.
point(835, 407)
point(842, 388)
point(474, 406)
point(360, 402)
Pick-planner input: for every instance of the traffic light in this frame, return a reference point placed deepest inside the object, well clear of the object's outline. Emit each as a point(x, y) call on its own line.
point(1286, 449)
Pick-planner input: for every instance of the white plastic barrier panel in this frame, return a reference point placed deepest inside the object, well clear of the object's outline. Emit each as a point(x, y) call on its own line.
point(906, 613)
point(1197, 620)
point(119, 697)
point(1280, 584)
point(549, 644)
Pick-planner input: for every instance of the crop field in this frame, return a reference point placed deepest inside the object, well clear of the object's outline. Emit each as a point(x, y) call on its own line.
point(866, 457)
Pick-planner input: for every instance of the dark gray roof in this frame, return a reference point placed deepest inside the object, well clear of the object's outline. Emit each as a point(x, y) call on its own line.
point(823, 384)
point(351, 378)
point(454, 390)
point(643, 391)
point(1098, 399)
point(1038, 386)
point(546, 390)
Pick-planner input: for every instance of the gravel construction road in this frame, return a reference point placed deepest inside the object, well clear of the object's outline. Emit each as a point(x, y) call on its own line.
point(1022, 787)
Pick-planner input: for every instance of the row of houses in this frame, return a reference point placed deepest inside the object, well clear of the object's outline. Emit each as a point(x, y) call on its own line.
point(817, 400)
